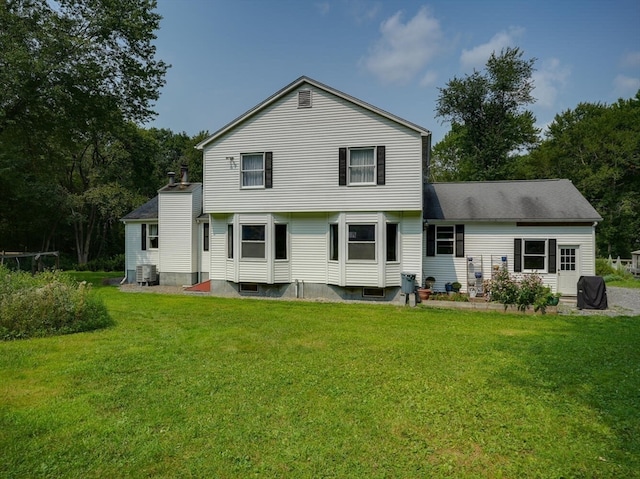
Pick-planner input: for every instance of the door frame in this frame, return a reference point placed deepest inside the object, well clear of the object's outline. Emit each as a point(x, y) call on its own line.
point(563, 287)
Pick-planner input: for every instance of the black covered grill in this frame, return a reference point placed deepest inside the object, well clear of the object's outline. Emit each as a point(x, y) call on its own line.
point(592, 293)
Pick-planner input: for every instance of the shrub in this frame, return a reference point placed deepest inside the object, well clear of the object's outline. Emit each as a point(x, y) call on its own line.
point(115, 263)
point(47, 304)
point(529, 291)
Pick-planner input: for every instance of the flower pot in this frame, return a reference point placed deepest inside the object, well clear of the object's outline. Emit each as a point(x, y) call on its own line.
point(424, 294)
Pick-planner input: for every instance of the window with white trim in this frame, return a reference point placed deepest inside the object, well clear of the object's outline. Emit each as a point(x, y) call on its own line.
point(534, 255)
point(281, 247)
point(252, 168)
point(149, 236)
point(444, 240)
point(362, 166)
point(205, 237)
point(361, 244)
point(230, 241)
point(253, 242)
point(333, 242)
point(392, 242)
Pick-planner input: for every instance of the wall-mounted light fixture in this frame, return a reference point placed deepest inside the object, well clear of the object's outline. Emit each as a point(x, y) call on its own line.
point(230, 158)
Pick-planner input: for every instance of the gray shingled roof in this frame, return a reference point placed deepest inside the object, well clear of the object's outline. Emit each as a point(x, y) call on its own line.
point(533, 200)
point(148, 211)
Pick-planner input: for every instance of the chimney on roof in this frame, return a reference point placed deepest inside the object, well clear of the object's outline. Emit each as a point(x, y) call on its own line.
point(172, 178)
point(184, 175)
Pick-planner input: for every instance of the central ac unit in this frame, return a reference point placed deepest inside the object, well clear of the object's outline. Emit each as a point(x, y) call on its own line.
point(146, 273)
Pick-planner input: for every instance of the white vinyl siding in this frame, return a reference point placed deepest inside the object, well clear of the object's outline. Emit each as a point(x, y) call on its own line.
point(179, 238)
point(483, 240)
point(135, 255)
point(305, 144)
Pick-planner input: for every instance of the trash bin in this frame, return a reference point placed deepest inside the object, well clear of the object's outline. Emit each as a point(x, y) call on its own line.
point(408, 283)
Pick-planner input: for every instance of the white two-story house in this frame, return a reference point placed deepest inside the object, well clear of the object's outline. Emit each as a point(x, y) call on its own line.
point(316, 194)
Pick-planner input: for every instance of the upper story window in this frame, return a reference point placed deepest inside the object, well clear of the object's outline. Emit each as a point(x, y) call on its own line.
point(362, 166)
point(252, 166)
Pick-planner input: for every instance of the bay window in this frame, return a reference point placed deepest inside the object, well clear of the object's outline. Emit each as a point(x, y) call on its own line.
point(253, 241)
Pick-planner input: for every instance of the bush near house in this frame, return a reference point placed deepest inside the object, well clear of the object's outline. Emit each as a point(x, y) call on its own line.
point(47, 304)
point(524, 293)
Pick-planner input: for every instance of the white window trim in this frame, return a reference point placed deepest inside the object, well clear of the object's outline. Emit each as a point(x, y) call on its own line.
point(150, 236)
point(397, 260)
point(375, 242)
point(545, 255)
point(242, 171)
point(265, 242)
point(275, 239)
point(452, 240)
point(349, 167)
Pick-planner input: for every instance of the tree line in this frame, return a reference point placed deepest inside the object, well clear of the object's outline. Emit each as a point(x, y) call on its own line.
point(78, 79)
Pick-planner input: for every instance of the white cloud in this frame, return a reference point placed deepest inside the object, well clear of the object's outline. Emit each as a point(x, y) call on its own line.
point(404, 48)
point(625, 86)
point(477, 57)
point(631, 60)
point(547, 80)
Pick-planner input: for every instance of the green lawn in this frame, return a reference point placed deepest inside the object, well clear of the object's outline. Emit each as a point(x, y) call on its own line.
point(188, 386)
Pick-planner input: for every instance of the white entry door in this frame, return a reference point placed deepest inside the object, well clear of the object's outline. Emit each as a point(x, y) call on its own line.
point(568, 269)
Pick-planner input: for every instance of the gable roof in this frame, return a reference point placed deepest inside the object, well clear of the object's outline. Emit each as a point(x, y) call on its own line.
point(297, 84)
point(526, 200)
point(148, 211)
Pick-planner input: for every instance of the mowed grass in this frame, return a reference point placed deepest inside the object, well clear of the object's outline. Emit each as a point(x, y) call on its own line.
point(188, 386)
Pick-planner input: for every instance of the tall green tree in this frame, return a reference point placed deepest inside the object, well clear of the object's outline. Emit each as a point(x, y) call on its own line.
point(597, 147)
point(488, 115)
point(73, 75)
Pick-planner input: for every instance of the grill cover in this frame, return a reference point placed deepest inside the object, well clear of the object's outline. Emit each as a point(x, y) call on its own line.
point(592, 293)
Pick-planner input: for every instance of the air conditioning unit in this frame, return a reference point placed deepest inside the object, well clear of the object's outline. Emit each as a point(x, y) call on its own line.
point(146, 273)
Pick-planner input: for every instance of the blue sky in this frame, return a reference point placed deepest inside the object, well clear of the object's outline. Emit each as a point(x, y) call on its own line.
point(228, 56)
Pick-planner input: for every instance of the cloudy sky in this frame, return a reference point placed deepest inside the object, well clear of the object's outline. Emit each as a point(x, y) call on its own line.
point(227, 56)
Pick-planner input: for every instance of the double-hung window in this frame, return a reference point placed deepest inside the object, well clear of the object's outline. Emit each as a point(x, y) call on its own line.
point(149, 236)
point(444, 240)
point(534, 254)
point(252, 166)
point(253, 241)
point(362, 166)
point(362, 242)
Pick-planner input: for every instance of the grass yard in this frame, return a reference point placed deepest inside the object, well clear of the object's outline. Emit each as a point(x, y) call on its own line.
point(188, 386)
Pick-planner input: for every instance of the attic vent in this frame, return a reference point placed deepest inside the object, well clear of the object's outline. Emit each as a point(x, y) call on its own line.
point(304, 99)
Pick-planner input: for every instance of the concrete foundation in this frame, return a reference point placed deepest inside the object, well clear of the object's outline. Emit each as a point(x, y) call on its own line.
point(305, 291)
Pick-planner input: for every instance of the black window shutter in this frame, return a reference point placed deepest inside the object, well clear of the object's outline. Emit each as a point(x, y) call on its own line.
point(459, 241)
point(517, 255)
point(268, 169)
point(342, 166)
point(380, 164)
point(143, 246)
point(431, 240)
point(552, 256)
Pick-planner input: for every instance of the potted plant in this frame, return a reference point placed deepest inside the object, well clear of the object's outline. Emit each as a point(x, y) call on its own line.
point(425, 293)
point(455, 286)
point(553, 299)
